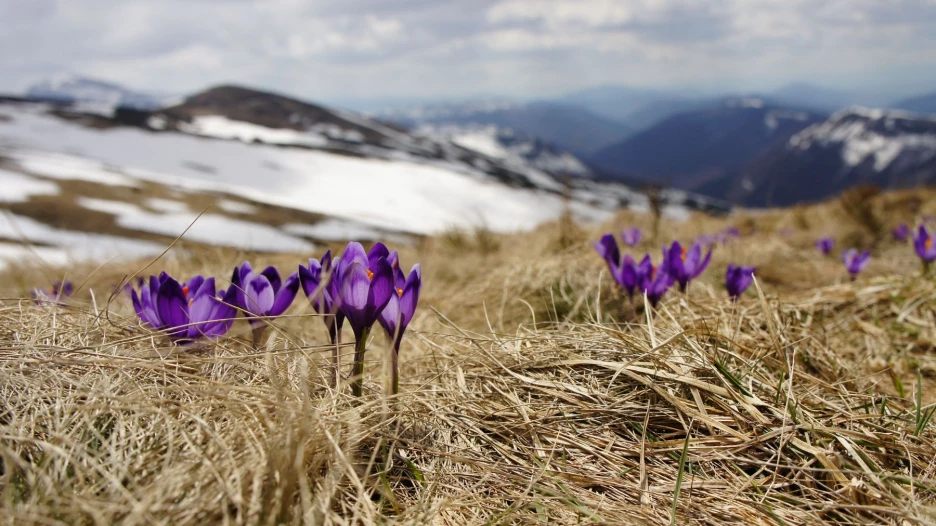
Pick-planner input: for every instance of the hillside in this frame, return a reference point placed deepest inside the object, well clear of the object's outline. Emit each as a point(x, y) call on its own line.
point(270, 173)
point(84, 90)
point(531, 391)
point(692, 148)
point(856, 146)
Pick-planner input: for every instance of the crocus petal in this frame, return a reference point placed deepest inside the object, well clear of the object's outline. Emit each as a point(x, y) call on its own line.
point(355, 290)
point(285, 296)
point(693, 255)
point(310, 278)
point(137, 307)
point(700, 267)
point(390, 318)
point(410, 297)
point(272, 275)
point(260, 295)
point(608, 249)
point(354, 253)
point(171, 305)
point(225, 310)
point(193, 285)
point(379, 250)
point(381, 288)
point(237, 283)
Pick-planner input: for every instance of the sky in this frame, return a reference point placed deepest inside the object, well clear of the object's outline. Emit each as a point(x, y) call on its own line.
point(453, 49)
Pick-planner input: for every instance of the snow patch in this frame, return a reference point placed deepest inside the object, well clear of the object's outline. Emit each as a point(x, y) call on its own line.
point(218, 230)
point(18, 187)
point(64, 166)
point(236, 207)
point(335, 230)
point(221, 127)
point(66, 246)
point(167, 206)
point(117, 208)
point(854, 130)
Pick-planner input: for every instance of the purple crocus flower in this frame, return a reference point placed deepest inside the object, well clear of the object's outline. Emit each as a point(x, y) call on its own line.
point(186, 312)
point(607, 248)
point(685, 265)
point(655, 283)
point(737, 280)
point(631, 236)
point(365, 293)
point(60, 290)
point(630, 275)
point(925, 246)
point(263, 295)
point(900, 232)
point(364, 283)
point(399, 311)
point(854, 261)
point(315, 281)
point(825, 245)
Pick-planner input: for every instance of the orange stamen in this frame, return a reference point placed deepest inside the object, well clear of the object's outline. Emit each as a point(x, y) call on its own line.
point(399, 292)
point(370, 275)
point(682, 255)
point(928, 244)
point(185, 291)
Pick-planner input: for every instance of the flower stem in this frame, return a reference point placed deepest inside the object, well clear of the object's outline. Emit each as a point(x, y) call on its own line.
point(335, 335)
point(357, 370)
point(395, 369)
point(258, 332)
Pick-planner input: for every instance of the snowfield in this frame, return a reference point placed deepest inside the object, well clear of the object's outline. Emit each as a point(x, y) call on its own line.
point(863, 133)
point(400, 195)
point(59, 247)
point(19, 187)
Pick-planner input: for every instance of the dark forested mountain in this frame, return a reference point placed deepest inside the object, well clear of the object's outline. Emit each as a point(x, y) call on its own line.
point(692, 148)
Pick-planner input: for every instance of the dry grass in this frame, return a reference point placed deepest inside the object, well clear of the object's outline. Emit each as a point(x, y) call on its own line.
point(531, 393)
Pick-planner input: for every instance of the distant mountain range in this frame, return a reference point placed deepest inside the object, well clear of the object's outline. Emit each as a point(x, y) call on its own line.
point(924, 104)
point(691, 148)
point(567, 126)
point(890, 149)
point(745, 149)
point(75, 88)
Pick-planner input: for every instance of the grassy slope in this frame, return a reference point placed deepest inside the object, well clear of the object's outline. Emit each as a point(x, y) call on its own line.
point(531, 393)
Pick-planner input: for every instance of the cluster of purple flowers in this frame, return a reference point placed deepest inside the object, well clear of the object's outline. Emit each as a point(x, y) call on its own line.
point(362, 288)
point(855, 261)
point(678, 265)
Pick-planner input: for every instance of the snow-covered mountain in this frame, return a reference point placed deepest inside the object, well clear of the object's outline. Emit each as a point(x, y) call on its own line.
point(515, 149)
point(78, 89)
point(279, 174)
point(854, 146)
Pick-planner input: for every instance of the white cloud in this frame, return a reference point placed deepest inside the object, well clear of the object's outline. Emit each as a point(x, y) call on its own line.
point(370, 48)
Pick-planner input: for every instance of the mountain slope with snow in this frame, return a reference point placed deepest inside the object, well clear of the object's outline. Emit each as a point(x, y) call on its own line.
point(890, 149)
point(513, 148)
point(287, 191)
point(78, 89)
